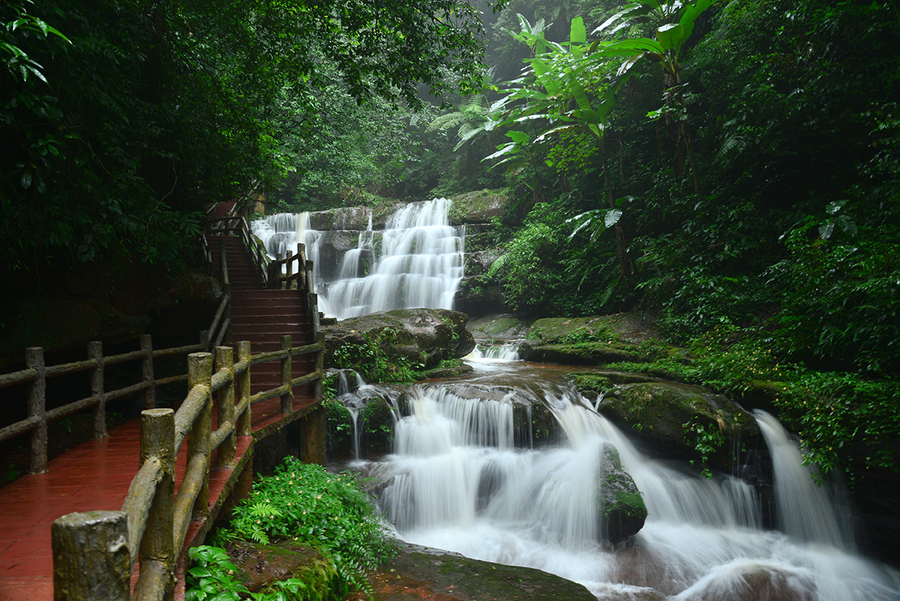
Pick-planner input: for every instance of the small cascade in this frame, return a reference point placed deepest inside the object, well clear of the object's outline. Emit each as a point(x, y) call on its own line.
point(494, 352)
point(805, 510)
point(459, 480)
point(416, 261)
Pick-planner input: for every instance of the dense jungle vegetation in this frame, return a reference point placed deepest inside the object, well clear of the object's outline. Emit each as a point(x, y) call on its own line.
point(733, 166)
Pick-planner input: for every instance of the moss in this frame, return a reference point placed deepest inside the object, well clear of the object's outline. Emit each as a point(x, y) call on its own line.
point(629, 503)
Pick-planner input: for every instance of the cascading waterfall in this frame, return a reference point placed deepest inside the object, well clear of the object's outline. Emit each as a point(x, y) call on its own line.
point(416, 261)
point(457, 481)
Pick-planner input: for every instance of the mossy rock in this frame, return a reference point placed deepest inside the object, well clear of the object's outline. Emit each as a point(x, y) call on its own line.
point(260, 566)
point(499, 327)
point(480, 206)
point(420, 336)
point(623, 511)
point(588, 341)
point(662, 412)
point(425, 573)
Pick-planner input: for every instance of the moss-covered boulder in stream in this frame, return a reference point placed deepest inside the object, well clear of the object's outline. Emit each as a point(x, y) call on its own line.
point(590, 340)
point(417, 338)
point(622, 506)
point(684, 422)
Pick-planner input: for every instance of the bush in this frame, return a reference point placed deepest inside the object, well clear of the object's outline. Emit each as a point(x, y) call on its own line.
point(328, 511)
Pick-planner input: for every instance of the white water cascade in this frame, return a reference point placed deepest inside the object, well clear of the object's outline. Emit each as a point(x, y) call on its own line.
point(416, 261)
point(458, 482)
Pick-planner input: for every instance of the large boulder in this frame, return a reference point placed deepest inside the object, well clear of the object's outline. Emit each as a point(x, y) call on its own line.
point(621, 504)
point(478, 207)
point(427, 573)
point(261, 566)
point(685, 422)
point(421, 337)
point(590, 340)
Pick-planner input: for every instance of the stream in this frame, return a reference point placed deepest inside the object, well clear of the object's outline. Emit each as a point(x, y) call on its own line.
point(703, 538)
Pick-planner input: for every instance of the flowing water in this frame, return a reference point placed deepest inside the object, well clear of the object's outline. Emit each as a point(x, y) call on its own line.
point(462, 479)
point(416, 261)
point(466, 475)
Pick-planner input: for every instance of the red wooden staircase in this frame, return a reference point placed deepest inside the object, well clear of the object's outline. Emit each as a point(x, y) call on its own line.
point(263, 316)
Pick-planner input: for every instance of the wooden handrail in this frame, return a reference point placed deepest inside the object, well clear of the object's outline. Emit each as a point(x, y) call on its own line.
point(156, 516)
point(152, 526)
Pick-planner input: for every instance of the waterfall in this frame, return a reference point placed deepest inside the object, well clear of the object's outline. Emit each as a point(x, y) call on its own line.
point(805, 510)
point(416, 261)
point(458, 481)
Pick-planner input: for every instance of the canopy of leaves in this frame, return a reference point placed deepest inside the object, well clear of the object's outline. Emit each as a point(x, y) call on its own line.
point(120, 121)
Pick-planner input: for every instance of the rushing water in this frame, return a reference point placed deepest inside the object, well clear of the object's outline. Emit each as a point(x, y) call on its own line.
point(416, 261)
point(461, 480)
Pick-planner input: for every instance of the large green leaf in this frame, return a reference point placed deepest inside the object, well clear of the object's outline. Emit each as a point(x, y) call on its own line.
point(578, 34)
point(671, 36)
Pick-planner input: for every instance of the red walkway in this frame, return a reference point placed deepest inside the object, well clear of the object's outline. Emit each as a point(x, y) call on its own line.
point(95, 475)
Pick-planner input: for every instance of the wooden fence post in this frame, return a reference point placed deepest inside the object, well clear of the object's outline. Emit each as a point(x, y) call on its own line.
point(242, 387)
point(225, 406)
point(303, 279)
point(147, 371)
point(290, 269)
point(91, 560)
point(95, 351)
point(157, 548)
point(37, 398)
point(200, 372)
point(287, 399)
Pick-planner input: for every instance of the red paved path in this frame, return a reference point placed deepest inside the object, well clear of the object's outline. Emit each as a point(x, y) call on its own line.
point(92, 476)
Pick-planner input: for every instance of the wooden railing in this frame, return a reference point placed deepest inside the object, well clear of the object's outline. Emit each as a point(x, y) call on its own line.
point(284, 274)
point(96, 551)
point(36, 373)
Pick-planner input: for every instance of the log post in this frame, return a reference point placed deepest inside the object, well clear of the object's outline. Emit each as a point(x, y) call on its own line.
point(319, 388)
point(91, 561)
point(290, 269)
point(287, 399)
point(98, 391)
point(147, 371)
point(225, 407)
point(242, 389)
point(157, 548)
point(37, 398)
point(303, 279)
point(200, 373)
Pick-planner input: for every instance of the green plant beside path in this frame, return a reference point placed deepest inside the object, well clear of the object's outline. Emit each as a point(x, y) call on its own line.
point(307, 504)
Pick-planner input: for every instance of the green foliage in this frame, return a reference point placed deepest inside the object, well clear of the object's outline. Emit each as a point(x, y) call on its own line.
point(844, 418)
point(213, 576)
point(841, 282)
point(213, 579)
point(155, 111)
point(327, 511)
point(376, 360)
point(707, 440)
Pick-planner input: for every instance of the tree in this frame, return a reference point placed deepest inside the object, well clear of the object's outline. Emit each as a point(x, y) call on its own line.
point(155, 110)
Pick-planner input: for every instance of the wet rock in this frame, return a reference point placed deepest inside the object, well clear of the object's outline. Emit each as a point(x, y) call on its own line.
point(421, 336)
point(480, 206)
point(426, 573)
point(499, 328)
point(533, 422)
point(748, 580)
point(259, 566)
point(623, 509)
point(588, 341)
point(678, 419)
